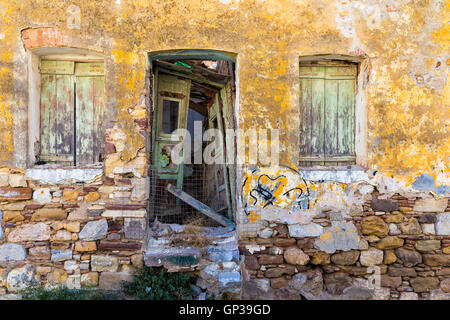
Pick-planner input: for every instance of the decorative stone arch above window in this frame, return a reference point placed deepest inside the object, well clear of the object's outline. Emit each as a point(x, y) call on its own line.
point(358, 68)
point(51, 45)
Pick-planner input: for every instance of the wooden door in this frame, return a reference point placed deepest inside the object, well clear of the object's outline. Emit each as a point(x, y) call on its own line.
point(218, 192)
point(172, 100)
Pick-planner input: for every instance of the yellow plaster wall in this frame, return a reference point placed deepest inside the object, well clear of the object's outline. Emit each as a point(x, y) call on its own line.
point(407, 42)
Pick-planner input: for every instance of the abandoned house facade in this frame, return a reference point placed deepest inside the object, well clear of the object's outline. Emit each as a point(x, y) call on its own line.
point(349, 99)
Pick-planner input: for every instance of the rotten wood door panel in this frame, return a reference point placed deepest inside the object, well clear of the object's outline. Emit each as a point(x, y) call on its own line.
point(226, 95)
point(57, 140)
point(89, 111)
point(221, 200)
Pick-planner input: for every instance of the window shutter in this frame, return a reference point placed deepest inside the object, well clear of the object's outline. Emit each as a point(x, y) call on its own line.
point(89, 112)
point(57, 106)
point(327, 111)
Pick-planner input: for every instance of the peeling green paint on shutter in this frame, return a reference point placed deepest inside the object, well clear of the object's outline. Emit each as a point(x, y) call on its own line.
point(327, 111)
point(89, 119)
point(57, 108)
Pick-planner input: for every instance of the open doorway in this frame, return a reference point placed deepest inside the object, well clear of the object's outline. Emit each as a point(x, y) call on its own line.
point(192, 90)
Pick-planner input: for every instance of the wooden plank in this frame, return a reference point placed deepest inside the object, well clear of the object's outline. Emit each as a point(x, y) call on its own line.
point(89, 119)
point(305, 117)
point(57, 67)
point(223, 155)
point(57, 118)
point(48, 107)
point(230, 147)
point(89, 69)
point(345, 136)
point(195, 55)
point(338, 72)
point(318, 117)
point(65, 117)
point(330, 113)
point(199, 206)
point(312, 72)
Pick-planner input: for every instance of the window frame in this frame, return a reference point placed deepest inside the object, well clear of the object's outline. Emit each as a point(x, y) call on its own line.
point(34, 58)
point(359, 161)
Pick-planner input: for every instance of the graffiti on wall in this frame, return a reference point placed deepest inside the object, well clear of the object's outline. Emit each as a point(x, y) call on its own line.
point(264, 189)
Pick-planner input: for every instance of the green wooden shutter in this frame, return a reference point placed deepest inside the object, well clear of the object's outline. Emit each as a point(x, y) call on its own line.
point(57, 107)
point(327, 112)
point(89, 112)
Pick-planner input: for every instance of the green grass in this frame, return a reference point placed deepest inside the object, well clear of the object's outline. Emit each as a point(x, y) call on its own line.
point(157, 284)
point(63, 293)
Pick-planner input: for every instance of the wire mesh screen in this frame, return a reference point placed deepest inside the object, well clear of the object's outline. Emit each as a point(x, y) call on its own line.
point(167, 208)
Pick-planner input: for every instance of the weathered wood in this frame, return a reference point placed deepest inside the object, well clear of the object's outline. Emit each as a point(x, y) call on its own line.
point(327, 111)
point(199, 206)
point(57, 67)
point(330, 114)
point(57, 125)
point(89, 119)
point(89, 69)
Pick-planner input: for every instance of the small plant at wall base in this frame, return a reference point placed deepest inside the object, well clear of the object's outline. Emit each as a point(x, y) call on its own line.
point(157, 284)
point(63, 293)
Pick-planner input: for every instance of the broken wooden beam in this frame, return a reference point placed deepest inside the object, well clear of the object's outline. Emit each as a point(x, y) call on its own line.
point(203, 208)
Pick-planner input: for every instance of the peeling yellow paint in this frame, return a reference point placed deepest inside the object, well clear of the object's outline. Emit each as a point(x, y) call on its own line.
point(407, 119)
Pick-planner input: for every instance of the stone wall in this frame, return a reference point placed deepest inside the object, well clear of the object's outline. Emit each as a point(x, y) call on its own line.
point(211, 253)
point(369, 244)
point(83, 233)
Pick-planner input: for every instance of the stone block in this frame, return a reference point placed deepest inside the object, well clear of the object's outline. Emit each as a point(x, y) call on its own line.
point(437, 260)
point(390, 242)
point(7, 193)
point(30, 232)
point(70, 195)
point(371, 257)
point(61, 255)
point(124, 213)
point(12, 216)
point(94, 230)
point(59, 276)
point(42, 195)
point(123, 246)
point(295, 256)
point(374, 225)
point(305, 230)
point(345, 258)
point(49, 214)
point(40, 253)
point(85, 246)
point(104, 263)
point(411, 227)
point(89, 279)
point(230, 281)
point(409, 257)
point(427, 284)
point(12, 252)
point(430, 205)
point(111, 280)
point(265, 259)
point(17, 180)
point(428, 245)
point(443, 224)
point(21, 278)
point(134, 228)
point(339, 236)
point(385, 205)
